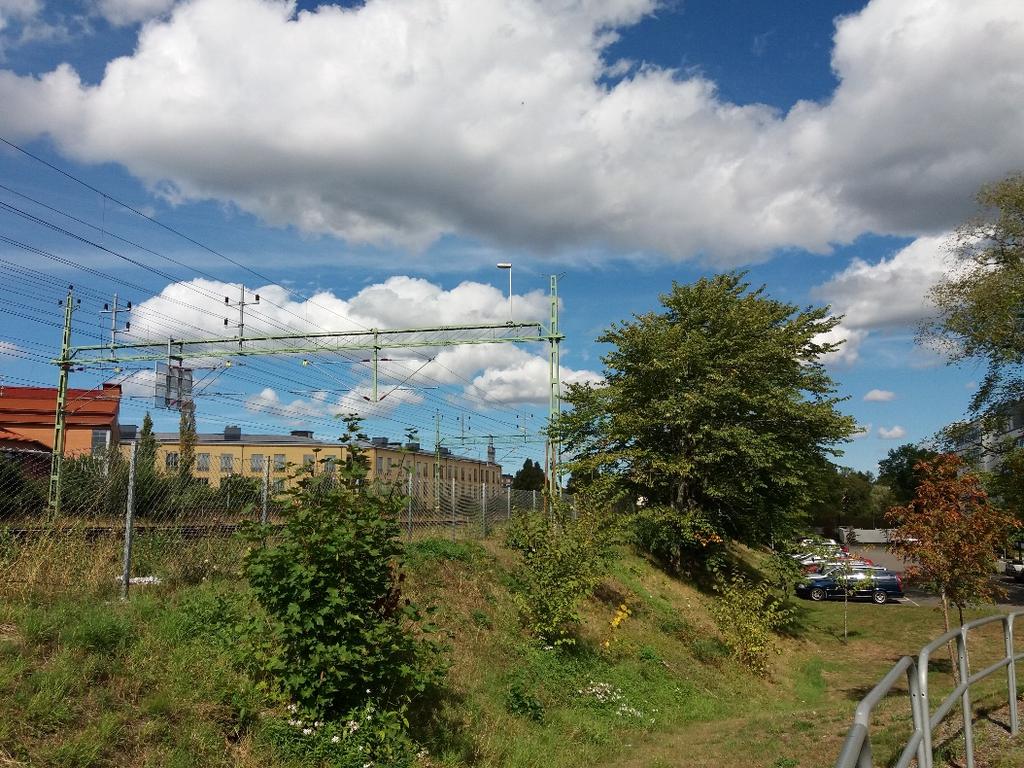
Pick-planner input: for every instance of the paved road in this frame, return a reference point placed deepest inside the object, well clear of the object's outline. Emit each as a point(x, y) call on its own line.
point(1014, 597)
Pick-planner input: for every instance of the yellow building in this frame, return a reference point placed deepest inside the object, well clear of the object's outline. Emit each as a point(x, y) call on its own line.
point(232, 453)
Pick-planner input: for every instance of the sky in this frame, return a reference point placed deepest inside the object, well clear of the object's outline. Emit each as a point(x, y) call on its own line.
point(368, 164)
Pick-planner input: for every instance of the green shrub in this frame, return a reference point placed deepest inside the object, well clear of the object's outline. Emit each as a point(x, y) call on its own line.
point(519, 701)
point(747, 615)
point(677, 537)
point(329, 581)
point(563, 558)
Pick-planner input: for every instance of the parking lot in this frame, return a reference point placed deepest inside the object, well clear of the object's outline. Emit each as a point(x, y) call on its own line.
point(1014, 592)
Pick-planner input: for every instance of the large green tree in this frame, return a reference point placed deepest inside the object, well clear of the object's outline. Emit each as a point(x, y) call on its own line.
point(714, 413)
point(980, 304)
point(529, 478)
point(898, 470)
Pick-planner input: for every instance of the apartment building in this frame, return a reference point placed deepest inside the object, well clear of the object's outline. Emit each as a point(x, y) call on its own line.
point(232, 452)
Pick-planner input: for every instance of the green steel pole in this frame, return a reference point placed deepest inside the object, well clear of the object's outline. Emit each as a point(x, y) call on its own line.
point(57, 458)
point(555, 396)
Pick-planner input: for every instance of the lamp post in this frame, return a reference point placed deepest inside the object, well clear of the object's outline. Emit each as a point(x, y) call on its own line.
point(508, 265)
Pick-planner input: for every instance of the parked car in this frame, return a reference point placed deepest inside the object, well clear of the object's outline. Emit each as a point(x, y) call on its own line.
point(871, 582)
point(839, 563)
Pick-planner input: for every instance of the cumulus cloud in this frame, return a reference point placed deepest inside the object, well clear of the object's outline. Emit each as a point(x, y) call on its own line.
point(879, 396)
point(893, 433)
point(862, 431)
point(10, 349)
point(125, 12)
point(890, 293)
point(320, 405)
point(850, 340)
point(489, 374)
point(400, 121)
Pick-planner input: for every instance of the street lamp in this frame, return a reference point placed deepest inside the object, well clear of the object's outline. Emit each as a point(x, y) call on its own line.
point(508, 265)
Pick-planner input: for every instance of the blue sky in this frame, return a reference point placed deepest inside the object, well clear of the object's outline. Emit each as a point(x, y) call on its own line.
point(377, 160)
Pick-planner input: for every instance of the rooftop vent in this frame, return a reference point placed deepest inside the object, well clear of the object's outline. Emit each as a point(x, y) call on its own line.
point(412, 446)
point(232, 433)
point(380, 442)
point(307, 433)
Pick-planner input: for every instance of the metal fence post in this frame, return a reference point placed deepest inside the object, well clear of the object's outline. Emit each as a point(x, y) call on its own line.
point(1011, 673)
point(409, 513)
point(453, 508)
point(535, 501)
point(508, 503)
point(483, 510)
point(129, 523)
point(265, 498)
point(965, 697)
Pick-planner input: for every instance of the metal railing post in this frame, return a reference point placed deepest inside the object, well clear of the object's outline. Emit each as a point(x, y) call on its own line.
point(965, 697)
point(1011, 673)
point(919, 713)
point(129, 523)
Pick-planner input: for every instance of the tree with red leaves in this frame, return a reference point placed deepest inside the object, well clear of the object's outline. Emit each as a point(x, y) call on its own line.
point(949, 533)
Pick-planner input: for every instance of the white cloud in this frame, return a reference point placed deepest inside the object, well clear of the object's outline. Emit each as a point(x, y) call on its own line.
point(891, 293)
point(399, 121)
point(862, 431)
point(10, 349)
point(893, 433)
point(125, 12)
point(320, 405)
point(879, 396)
point(849, 350)
point(489, 374)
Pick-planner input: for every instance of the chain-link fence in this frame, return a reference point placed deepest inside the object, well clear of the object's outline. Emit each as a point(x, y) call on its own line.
point(121, 520)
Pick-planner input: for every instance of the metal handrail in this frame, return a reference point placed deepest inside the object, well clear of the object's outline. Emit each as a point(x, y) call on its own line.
point(856, 750)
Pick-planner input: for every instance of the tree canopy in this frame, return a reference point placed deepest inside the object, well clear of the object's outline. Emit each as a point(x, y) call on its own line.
point(897, 470)
point(949, 532)
point(980, 301)
point(715, 410)
point(529, 478)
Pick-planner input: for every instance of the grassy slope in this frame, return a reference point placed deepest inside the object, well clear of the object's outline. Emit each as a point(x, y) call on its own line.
point(152, 682)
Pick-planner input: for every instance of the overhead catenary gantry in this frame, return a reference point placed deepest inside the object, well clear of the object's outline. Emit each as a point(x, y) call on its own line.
point(176, 351)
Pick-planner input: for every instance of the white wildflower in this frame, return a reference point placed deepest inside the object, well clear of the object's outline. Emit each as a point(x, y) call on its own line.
point(335, 739)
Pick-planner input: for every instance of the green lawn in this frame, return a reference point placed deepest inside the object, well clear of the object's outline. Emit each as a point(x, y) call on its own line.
point(172, 677)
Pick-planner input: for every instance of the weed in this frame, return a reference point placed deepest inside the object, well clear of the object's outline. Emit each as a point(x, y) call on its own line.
point(481, 619)
point(519, 701)
point(100, 630)
point(437, 549)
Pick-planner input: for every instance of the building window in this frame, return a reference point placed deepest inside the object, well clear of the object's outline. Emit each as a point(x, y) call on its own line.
point(171, 461)
point(227, 462)
point(202, 462)
point(256, 462)
point(279, 485)
point(389, 465)
point(100, 441)
point(380, 466)
point(279, 462)
point(307, 460)
point(329, 465)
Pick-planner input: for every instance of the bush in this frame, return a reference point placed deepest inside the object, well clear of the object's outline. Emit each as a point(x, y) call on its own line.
point(562, 559)
point(329, 581)
point(747, 615)
point(676, 536)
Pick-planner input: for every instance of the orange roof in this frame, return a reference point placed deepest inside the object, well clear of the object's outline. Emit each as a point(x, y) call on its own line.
point(36, 405)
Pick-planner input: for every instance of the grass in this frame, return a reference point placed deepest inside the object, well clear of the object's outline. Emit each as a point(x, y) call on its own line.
point(165, 679)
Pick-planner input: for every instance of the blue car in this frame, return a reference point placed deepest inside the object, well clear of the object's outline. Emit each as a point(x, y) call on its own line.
point(876, 584)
